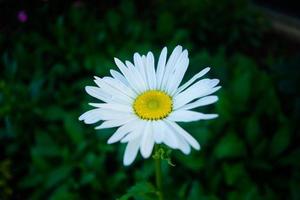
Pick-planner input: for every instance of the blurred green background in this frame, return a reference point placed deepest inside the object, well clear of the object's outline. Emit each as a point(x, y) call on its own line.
point(49, 51)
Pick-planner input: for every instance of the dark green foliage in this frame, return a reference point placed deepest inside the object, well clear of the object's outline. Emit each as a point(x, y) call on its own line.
point(250, 152)
point(142, 190)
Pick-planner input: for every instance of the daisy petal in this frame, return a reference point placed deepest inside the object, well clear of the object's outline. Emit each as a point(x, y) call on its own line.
point(131, 136)
point(129, 76)
point(201, 102)
point(170, 66)
point(113, 91)
point(185, 134)
point(183, 145)
point(181, 67)
point(201, 88)
point(159, 129)
point(140, 67)
point(131, 151)
point(113, 106)
point(137, 74)
point(151, 71)
point(98, 93)
point(118, 76)
point(122, 131)
point(122, 67)
point(144, 69)
point(189, 116)
point(161, 66)
point(193, 79)
point(169, 138)
point(91, 116)
point(120, 86)
point(147, 141)
point(115, 123)
point(107, 114)
point(137, 132)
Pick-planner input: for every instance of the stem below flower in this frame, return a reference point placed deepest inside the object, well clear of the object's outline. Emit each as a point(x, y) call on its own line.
point(159, 178)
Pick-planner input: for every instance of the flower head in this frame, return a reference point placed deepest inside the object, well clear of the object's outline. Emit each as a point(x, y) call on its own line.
point(146, 102)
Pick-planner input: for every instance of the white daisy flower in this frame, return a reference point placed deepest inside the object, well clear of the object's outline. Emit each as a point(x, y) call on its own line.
point(146, 102)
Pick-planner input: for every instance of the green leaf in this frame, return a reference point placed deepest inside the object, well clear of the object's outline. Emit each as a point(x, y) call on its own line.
point(242, 82)
point(142, 190)
point(87, 178)
point(233, 195)
point(54, 113)
point(58, 175)
point(165, 24)
point(224, 106)
point(280, 141)
point(242, 87)
point(198, 162)
point(230, 146)
point(63, 193)
point(73, 128)
point(195, 192)
point(234, 173)
point(252, 130)
point(289, 160)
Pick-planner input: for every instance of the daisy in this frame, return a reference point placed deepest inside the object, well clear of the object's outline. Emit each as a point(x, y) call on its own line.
point(146, 102)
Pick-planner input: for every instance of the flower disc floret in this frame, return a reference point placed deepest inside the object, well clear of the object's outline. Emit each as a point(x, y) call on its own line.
point(153, 105)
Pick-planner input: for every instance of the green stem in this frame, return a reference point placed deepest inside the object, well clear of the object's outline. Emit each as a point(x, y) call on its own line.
point(159, 178)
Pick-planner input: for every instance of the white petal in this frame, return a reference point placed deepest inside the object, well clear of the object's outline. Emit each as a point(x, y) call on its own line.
point(91, 116)
point(122, 131)
point(211, 91)
point(147, 141)
point(158, 131)
point(189, 116)
point(193, 79)
point(144, 68)
point(170, 66)
point(113, 91)
point(117, 75)
point(151, 71)
point(98, 93)
point(137, 132)
point(170, 138)
point(140, 67)
point(113, 106)
point(180, 69)
point(183, 145)
point(121, 66)
point(107, 114)
point(185, 134)
point(161, 66)
point(131, 151)
point(137, 75)
point(199, 89)
point(129, 76)
point(131, 136)
point(201, 102)
point(120, 86)
point(115, 123)
point(98, 114)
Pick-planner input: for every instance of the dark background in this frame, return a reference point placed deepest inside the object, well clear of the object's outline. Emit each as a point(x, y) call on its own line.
point(50, 50)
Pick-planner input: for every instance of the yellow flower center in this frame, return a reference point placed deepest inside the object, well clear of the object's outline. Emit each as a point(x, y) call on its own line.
point(153, 105)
